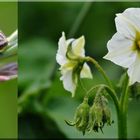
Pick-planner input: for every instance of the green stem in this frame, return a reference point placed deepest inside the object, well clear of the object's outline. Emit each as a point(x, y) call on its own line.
point(116, 102)
point(100, 69)
point(110, 92)
point(122, 120)
point(82, 86)
point(121, 107)
point(114, 98)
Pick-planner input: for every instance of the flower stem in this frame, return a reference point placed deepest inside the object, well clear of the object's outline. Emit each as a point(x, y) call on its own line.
point(111, 93)
point(122, 118)
point(122, 105)
point(100, 69)
point(114, 97)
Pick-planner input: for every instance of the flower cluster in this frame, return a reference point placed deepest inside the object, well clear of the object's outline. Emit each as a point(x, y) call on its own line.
point(123, 50)
point(92, 118)
point(99, 113)
point(8, 54)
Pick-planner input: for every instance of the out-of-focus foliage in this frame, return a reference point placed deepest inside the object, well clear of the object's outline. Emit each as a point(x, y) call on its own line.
point(8, 90)
point(8, 109)
point(43, 102)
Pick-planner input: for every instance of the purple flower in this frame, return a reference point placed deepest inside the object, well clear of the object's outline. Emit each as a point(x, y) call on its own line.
point(8, 72)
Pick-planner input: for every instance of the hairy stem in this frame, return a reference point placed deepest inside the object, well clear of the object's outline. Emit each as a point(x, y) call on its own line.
point(100, 69)
point(111, 93)
point(122, 121)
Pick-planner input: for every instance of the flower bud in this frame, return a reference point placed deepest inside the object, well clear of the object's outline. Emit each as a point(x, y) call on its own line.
point(81, 117)
point(99, 114)
point(8, 71)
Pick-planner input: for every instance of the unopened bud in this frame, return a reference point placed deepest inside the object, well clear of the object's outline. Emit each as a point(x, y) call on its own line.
point(99, 114)
point(81, 117)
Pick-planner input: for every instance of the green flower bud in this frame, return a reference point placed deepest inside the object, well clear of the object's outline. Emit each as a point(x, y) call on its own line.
point(81, 117)
point(99, 114)
point(106, 116)
point(94, 114)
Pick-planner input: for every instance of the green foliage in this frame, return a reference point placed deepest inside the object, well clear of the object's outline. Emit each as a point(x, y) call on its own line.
point(8, 109)
point(43, 104)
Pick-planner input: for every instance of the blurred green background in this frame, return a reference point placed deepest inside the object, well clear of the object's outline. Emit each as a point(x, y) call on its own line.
point(43, 104)
point(8, 90)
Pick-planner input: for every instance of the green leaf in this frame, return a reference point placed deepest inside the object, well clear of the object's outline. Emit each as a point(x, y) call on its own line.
point(36, 68)
point(35, 126)
point(36, 62)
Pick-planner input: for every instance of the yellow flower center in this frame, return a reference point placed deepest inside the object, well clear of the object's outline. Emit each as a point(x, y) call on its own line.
point(138, 44)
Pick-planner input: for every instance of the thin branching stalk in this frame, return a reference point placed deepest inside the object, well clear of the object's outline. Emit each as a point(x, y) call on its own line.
point(79, 19)
point(100, 69)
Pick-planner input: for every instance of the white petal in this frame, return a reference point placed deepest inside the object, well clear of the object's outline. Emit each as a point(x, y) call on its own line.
point(68, 83)
point(78, 46)
point(86, 72)
point(69, 41)
point(133, 14)
point(118, 42)
point(13, 37)
point(120, 51)
point(124, 27)
point(62, 48)
point(134, 70)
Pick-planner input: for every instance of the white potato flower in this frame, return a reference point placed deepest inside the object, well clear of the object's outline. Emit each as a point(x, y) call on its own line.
point(124, 46)
point(70, 56)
